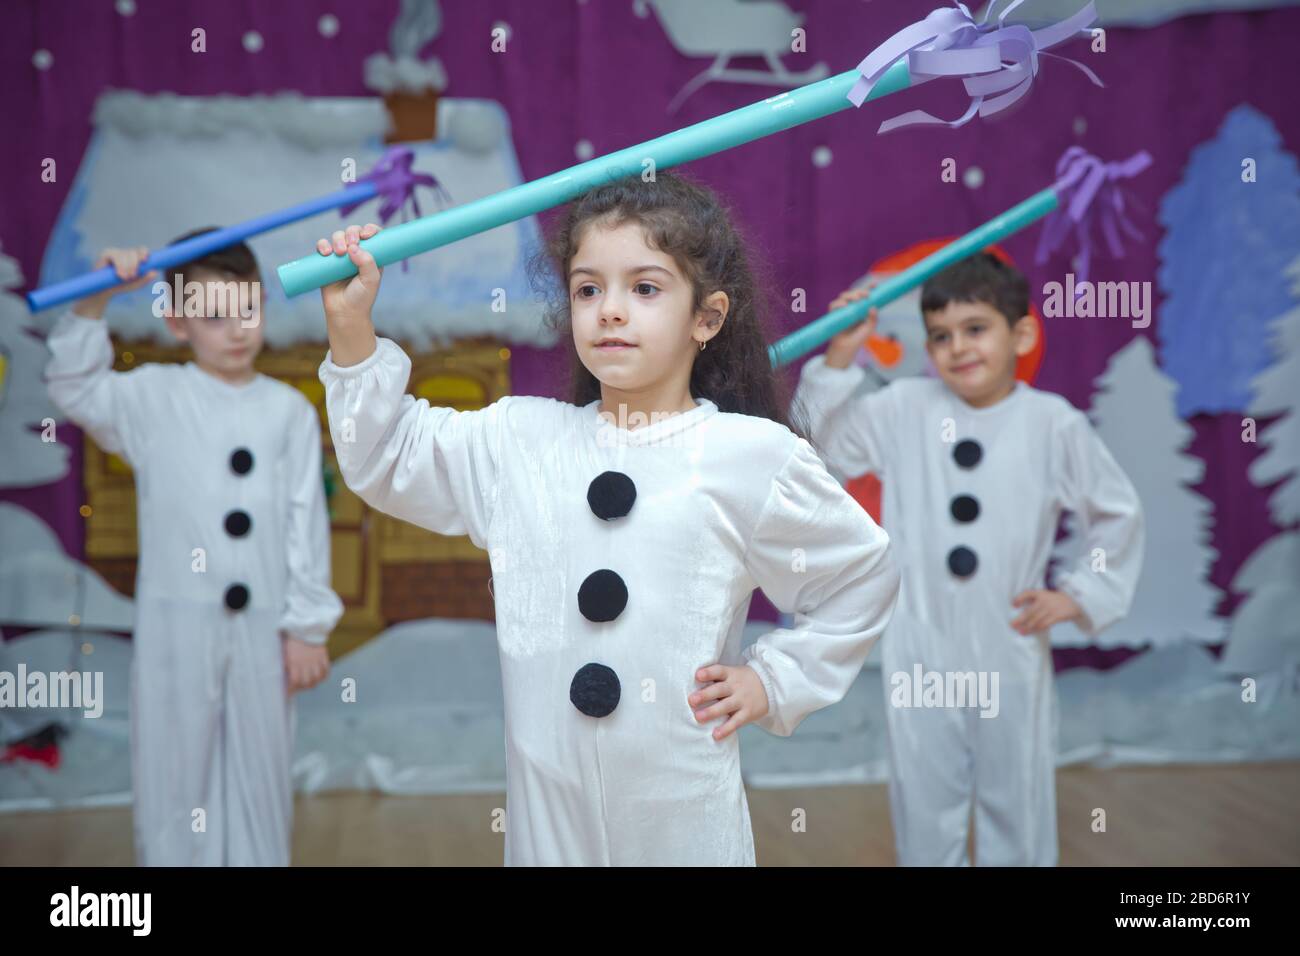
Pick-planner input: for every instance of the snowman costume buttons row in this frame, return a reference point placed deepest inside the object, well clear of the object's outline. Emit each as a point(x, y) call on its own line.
point(238, 523)
point(962, 561)
point(595, 689)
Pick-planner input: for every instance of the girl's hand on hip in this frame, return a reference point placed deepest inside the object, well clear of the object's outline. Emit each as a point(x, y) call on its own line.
point(735, 693)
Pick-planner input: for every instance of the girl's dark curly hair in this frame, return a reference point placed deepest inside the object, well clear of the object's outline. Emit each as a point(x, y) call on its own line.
point(688, 222)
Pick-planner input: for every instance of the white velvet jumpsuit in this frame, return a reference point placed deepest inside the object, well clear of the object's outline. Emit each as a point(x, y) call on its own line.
point(623, 560)
point(234, 549)
point(971, 498)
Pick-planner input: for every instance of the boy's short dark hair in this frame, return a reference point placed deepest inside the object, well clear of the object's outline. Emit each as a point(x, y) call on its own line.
point(235, 261)
point(982, 277)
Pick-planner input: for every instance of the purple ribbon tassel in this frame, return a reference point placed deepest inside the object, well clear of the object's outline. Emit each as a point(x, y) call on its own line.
point(395, 180)
point(1091, 198)
point(998, 62)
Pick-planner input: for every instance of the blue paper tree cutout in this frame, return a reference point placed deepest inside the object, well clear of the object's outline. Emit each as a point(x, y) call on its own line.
point(1223, 262)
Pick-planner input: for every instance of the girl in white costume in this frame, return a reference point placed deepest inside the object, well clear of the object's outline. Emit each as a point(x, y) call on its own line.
point(976, 470)
point(232, 601)
point(626, 532)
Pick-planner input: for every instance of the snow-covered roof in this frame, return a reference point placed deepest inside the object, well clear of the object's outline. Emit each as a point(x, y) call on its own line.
point(161, 165)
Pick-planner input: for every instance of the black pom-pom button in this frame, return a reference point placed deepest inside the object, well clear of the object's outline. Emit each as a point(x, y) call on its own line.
point(595, 690)
point(965, 508)
point(962, 561)
point(241, 461)
point(236, 597)
point(238, 523)
point(611, 495)
point(602, 596)
point(968, 453)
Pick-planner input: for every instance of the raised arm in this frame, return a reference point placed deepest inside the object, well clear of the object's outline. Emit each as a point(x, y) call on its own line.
point(81, 382)
point(434, 467)
point(80, 377)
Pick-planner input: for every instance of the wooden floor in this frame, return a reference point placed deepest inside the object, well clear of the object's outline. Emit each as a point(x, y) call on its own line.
point(1241, 815)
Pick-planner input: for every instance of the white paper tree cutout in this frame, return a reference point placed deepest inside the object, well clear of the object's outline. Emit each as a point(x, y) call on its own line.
point(26, 461)
point(1134, 413)
point(1265, 630)
point(1277, 392)
point(41, 586)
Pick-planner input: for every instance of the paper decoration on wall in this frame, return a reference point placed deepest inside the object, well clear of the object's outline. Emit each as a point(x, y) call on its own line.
point(310, 123)
point(1149, 13)
point(40, 586)
point(723, 29)
point(1213, 321)
point(1133, 412)
point(401, 70)
point(1265, 630)
point(1277, 393)
point(369, 744)
point(476, 127)
point(26, 460)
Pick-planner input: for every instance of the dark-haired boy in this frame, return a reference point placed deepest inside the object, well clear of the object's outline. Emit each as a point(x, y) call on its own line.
point(233, 600)
point(976, 469)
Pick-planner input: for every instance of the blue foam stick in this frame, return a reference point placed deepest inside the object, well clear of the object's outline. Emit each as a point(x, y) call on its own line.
point(106, 277)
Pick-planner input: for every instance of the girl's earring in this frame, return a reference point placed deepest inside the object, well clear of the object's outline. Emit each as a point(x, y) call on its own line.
point(702, 346)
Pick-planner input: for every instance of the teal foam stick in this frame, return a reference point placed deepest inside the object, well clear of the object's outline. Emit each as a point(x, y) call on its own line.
point(1023, 214)
point(711, 136)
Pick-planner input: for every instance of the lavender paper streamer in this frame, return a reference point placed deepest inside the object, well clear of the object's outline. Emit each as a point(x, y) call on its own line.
point(1091, 199)
point(395, 182)
point(999, 62)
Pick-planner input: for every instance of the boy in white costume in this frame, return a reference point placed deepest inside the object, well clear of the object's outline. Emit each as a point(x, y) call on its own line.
point(233, 602)
point(976, 469)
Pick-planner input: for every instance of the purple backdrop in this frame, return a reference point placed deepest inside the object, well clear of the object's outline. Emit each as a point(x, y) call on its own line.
point(598, 72)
